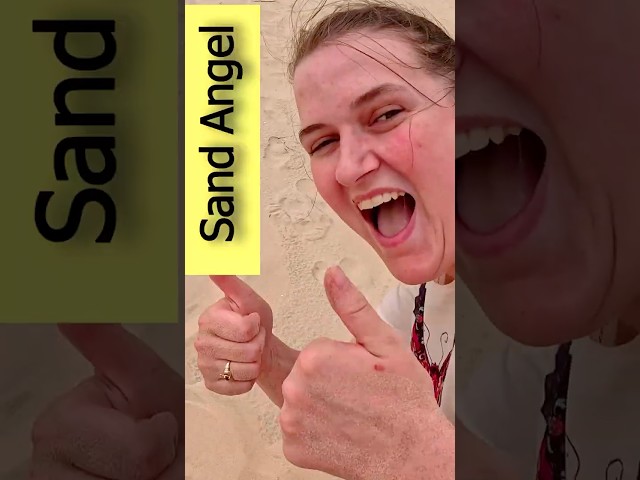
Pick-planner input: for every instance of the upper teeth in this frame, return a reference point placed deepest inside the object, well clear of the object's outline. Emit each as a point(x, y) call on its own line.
point(478, 138)
point(378, 200)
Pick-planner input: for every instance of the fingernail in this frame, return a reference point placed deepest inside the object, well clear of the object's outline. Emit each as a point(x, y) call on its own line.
point(339, 278)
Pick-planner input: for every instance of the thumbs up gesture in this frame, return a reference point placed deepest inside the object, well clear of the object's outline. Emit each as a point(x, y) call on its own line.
point(125, 422)
point(363, 410)
point(235, 329)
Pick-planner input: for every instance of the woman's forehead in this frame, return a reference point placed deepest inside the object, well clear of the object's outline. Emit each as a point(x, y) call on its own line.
point(357, 61)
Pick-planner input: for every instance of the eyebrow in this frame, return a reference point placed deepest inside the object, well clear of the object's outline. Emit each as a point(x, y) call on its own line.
point(363, 99)
point(374, 93)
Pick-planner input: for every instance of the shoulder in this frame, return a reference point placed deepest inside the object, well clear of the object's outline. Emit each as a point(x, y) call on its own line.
point(397, 306)
point(501, 401)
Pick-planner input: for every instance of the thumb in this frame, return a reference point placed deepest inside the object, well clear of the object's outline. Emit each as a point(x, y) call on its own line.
point(242, 297)
point(360, 318)
point(147, 383)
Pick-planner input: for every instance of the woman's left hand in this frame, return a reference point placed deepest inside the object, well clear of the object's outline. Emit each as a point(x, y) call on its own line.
point(364, 410)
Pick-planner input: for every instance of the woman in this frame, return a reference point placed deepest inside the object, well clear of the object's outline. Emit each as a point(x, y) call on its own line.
point(552, 255)
point(374, 90)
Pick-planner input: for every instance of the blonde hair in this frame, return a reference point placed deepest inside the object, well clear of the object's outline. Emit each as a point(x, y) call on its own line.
point(433, 45)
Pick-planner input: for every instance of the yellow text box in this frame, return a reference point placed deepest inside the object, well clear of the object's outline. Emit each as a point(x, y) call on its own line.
point(222, 140)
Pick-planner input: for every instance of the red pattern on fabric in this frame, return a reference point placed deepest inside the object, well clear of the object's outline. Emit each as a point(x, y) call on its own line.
point(437, 372)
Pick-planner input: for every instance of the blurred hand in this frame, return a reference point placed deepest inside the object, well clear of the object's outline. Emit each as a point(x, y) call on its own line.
point(124, 423)
point(235, 329)
point(363, 410)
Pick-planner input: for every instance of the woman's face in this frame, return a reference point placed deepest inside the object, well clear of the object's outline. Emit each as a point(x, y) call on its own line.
point(547, 234)
point(382, 153)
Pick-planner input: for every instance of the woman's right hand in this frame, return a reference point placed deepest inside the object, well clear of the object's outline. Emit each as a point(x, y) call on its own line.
point(236, 329)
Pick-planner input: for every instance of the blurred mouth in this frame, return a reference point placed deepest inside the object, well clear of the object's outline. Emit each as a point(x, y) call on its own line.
point(390, 215)
point(500, 184)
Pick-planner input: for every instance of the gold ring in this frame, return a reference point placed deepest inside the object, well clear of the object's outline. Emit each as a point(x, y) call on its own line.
point(226, 374)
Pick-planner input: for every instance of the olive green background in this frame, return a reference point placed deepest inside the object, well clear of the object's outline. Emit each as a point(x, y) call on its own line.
point(137, 277)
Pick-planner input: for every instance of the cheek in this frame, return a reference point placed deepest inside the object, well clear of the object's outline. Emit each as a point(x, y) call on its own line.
point(425, 155)
point(400, 152)
point(324, 177)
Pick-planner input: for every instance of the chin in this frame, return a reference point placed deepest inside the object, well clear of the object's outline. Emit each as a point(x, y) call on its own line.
point(536, 335)
point(413, 270)
point(541, 316)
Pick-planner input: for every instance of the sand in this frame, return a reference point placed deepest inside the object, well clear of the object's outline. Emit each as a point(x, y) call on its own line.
point(238, 438)
point(233, 438)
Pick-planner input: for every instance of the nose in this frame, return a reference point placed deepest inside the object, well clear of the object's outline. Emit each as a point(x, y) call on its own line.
point(357, 158)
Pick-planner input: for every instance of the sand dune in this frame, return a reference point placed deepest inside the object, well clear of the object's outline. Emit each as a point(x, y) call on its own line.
point(231, 438)
point(238, 438)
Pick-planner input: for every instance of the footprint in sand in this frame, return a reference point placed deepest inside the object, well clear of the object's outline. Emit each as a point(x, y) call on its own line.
point(307, 188)
point(300, 216)
point(318, 270)
point(356, 271)
point(282, 155)
point(314, 227)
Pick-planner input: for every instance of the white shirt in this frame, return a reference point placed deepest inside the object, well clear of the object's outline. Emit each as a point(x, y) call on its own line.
point(438, 329)
point(597, 424)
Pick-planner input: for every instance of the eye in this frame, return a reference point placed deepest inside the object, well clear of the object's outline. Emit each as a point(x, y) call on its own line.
point(388, 115)
point(320, 145)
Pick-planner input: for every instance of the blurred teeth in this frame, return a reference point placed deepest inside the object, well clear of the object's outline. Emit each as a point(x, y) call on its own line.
point(378, 200)
point(478, 138)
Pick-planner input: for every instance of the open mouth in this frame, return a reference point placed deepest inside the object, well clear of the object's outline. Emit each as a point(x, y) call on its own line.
point(498, 171)
point(389, 213)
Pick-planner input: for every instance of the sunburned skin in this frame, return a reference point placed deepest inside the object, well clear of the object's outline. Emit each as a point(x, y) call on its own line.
point(382, 152)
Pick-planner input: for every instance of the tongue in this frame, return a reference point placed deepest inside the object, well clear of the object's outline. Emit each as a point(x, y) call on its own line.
point(496, 183)
point(393, 217)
